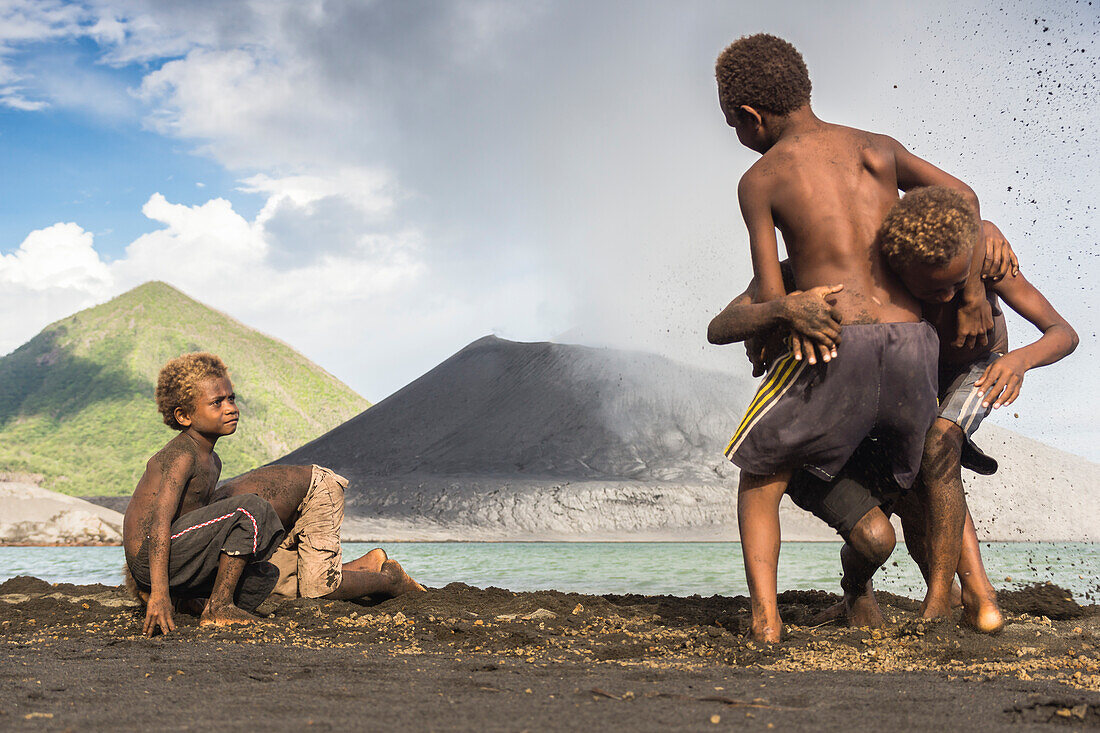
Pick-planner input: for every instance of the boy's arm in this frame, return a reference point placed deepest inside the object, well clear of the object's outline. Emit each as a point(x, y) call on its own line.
point(1000, 384)
point(752, 195)
point(975, 315)
point(806, 312)
point(170, 477)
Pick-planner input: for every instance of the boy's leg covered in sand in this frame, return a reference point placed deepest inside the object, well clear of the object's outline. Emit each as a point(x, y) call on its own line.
point(220, 552)
point(758, 524)
point(310, 560)
point(815, 417)
point(961, 412)
point(857, 505)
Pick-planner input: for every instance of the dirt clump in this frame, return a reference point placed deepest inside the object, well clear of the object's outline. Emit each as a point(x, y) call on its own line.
point(1042, 599)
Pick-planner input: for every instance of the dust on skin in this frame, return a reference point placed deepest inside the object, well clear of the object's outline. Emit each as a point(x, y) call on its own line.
point(196, 493)
point(284, 487)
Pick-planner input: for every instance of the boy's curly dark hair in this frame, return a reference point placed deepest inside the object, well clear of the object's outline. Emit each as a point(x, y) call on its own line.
point(177, 381)
point(764, 72)
point(929, 226)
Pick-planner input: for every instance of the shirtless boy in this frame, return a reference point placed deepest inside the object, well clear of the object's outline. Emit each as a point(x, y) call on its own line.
point(177, 543)
point(926, 242)
point(310, 503)
point(827, 189)
point(973, 380)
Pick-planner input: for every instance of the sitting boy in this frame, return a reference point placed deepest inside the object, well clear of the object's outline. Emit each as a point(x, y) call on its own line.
point(310, 503)
point(827, 188)
point(179, 544)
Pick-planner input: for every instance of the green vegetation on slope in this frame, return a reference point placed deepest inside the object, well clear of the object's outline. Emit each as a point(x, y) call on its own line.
point(76, 401)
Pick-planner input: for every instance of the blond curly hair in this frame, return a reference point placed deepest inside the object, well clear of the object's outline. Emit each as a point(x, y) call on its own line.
point(929, 226)
point(178, 380)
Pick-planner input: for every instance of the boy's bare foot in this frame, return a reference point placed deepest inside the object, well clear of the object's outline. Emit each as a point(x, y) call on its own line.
point(767, 631)
point(863, 610)
point(982, 613)
point(371, 562)
point(830, 614)
point(225, 615)
point(935, 608)
point(402, 583)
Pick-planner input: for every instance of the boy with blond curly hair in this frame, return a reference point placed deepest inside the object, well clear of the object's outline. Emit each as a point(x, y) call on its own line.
point(870, 370)
point(176, 543)
point(927, 240)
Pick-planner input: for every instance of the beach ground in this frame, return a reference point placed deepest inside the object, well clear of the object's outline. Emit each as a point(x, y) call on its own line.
point(489, 659)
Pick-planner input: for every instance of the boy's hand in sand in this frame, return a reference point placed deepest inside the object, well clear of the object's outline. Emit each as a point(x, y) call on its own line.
point(814, 321)
point(159, 613)
point(1000, 384)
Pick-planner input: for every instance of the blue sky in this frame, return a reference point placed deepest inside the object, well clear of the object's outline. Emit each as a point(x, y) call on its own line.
point(384, 182)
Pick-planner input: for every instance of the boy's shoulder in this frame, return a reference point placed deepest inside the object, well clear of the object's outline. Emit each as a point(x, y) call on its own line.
point(787, 159)
point(178, 455)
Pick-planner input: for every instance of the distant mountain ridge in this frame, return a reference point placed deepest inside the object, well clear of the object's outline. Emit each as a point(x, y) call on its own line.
point(77, 406)
point(544, 410)
point(509, 440)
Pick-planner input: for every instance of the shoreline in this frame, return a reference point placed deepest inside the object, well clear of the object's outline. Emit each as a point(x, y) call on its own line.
point(460, 657)
point(579, 540)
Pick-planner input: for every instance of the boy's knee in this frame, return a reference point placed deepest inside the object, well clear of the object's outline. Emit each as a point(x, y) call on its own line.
point(942, 445)
point(260, 510)
point(873, 537)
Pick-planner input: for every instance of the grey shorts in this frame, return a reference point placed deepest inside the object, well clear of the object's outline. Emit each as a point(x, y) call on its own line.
point(882, 384)
point(961, 404)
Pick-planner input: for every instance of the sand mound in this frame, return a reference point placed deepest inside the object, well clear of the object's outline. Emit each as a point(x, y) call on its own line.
point(36, 516)
point(510, 440)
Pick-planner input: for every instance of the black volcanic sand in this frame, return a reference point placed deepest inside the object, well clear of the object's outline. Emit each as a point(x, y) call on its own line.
point(488, 659)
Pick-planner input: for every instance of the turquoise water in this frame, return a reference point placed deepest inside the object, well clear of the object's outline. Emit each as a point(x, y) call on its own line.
point(675, 568)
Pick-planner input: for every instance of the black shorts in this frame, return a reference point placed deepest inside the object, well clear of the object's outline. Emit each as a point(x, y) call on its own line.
point(240, 525)
point(882, 384)
point(864, 483)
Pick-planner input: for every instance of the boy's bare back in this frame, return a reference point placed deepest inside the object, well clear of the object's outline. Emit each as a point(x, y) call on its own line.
point(284, 487)
point(827, 188)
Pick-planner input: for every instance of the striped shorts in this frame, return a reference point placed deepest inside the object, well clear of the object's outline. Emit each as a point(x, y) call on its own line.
point(959, 399)
point(813, 416)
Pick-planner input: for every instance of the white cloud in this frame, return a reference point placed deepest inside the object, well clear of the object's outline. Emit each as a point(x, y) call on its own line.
point(54, 272)
point(368, 190)
point(32, 21)
point(60, 256)
point(335, 301)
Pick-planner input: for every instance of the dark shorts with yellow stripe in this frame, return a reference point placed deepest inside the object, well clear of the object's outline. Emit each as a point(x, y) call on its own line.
point(882, 384)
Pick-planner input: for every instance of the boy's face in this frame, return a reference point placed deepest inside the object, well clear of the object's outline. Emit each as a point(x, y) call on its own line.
point(937, 284)
point(215, 411)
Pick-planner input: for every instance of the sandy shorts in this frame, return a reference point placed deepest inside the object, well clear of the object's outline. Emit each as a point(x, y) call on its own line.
point(309, 559)
point(239, 526)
